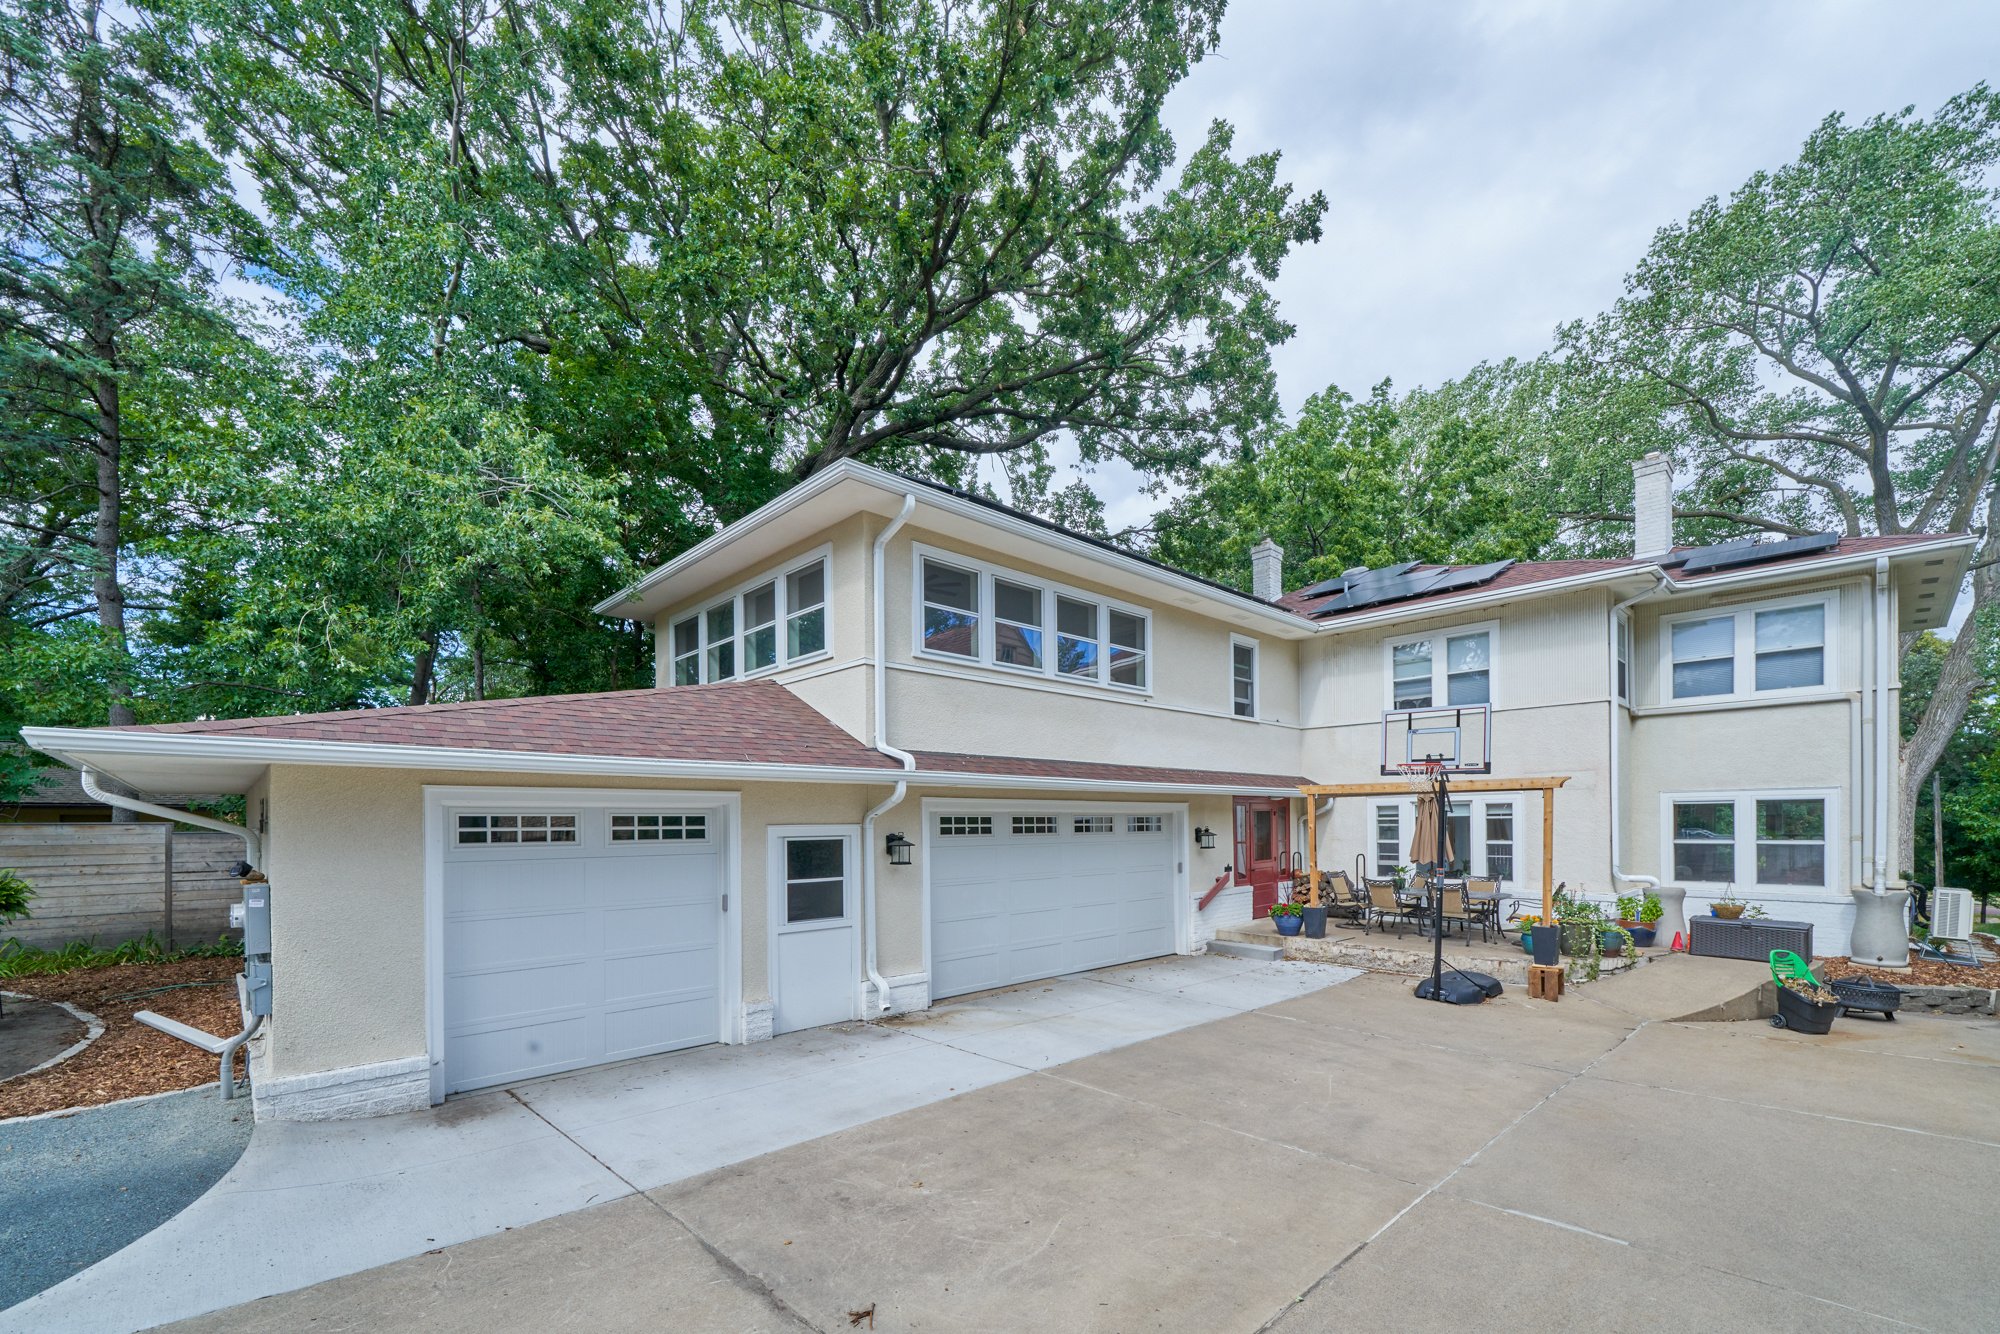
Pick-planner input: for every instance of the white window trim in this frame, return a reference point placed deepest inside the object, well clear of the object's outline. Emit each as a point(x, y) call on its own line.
point(778, 575)
point(1622, 656)
point(1745, 800)
point(1491, 629)
point(1256, 648)
point(1744, 628)
point(1406, 823)
point(986, 572)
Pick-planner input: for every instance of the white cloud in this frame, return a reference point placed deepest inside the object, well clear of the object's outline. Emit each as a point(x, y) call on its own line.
point(1494, 169)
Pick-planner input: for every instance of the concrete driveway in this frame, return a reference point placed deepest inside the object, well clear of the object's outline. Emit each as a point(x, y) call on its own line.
point(308, 1203)
point(1346, 1159)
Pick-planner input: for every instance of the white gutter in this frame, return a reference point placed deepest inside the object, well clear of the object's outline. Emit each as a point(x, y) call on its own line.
point(1769, 573)
point(1617, 774)
point(909, 761)
point(1884, 755)
point(253, 849)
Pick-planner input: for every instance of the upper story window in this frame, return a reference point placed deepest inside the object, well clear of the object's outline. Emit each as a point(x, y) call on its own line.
point(1621, 633)
point(777, 621)
point(1442, 670)
point(1748, 651)
point(975, 612)
point(1243, 676)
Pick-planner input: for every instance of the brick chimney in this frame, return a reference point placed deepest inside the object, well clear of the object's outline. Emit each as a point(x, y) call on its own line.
point(1267, 570)
point(1652, 506)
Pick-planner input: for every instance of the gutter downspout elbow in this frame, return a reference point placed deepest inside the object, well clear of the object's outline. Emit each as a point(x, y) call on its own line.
point(253, 846)
point(1618, 871)
point(869, 887)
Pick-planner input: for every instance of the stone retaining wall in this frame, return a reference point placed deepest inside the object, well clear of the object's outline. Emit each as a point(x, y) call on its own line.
point(1949, 1000)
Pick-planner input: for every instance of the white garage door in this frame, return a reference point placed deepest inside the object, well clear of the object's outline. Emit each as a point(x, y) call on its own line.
point(574, 937)
point(1017, 895)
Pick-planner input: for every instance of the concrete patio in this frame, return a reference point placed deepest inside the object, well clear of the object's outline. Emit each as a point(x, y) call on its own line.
point(1345, 1159)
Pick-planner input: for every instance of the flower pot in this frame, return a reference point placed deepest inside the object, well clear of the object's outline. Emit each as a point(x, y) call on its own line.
point(1528, 941)
point(1289, 924)
point(1728, 912)
point(1642, 936)
point(1547, 943)
point(1314, 923)
point(1610, 944)
point(1801, 1015)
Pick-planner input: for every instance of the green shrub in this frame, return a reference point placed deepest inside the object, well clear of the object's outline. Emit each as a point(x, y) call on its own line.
point(20, 959)
point(14, 895)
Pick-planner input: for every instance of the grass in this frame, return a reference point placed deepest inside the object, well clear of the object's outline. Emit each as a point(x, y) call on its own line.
point(18, 959)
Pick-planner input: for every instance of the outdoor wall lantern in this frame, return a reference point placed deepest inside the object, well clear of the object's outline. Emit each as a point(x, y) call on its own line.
point(1204, 838)
point(899, 850)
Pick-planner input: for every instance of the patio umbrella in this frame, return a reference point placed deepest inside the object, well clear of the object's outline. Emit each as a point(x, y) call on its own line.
point(1424, 841)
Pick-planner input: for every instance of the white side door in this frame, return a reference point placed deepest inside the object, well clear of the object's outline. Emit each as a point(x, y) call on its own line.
point(815, 929)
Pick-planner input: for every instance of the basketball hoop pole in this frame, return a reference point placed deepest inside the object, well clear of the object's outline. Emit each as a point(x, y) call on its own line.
point(1442, 795)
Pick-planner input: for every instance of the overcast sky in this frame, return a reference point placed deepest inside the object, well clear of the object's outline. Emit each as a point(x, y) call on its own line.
point(1495, 168)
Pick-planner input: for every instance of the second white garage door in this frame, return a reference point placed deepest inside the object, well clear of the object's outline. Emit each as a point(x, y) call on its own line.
point(1018, 895)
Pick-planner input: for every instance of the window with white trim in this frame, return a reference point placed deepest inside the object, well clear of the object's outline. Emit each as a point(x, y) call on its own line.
point(1094, 824)
point(1759, 839)
point(974, 612)
point(1499, 823)
point(1144, 824)
point(965, 826)
point(1388, 839)
point(1749, 651)
point(1442, 670)
point(775, 622)
point(515, 828)
point(1034, 824)
point(648, 827)
point(1621, 632)
point(1243, 677)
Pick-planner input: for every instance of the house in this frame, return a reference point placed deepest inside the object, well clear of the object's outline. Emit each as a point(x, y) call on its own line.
point(908, 744)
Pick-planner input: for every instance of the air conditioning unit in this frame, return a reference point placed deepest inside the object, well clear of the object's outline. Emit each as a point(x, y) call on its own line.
point(1951, 914)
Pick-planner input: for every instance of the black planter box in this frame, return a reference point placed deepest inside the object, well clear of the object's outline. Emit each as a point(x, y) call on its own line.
point(1755, 938)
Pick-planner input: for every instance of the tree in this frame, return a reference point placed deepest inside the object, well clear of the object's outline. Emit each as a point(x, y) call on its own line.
point(1427, 477)
point(1828, 345)
point(112, 214)
point(1968, 772)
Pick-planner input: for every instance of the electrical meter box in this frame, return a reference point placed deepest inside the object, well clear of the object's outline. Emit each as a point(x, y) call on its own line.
point(256, 920)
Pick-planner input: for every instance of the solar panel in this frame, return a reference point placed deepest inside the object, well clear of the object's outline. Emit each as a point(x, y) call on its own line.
point(1399, 583)
point(1680, 558)
point(1731, 555)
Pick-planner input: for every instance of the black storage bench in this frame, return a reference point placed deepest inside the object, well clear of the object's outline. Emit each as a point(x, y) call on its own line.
point(1748, 938)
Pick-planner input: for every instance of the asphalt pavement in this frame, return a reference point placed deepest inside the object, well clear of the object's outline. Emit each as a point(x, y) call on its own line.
point(75, 1188)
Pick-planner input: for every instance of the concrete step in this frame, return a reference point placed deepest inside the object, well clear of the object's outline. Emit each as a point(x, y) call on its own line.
point(1239, 949)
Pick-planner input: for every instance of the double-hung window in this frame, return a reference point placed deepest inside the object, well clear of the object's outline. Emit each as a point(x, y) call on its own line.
point(1757, 839)
point(1388, 839)
point(1621, 633)
point(1749, 651)
point(1442, 671)
point(777, 621)
point(1017, 624)
point(975, 612)
point(1243, 677)
point(1500, 840)
point(951, 610)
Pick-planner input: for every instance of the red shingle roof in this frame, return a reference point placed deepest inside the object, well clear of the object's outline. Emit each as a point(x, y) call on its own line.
point(1526, 573)
point(734, 722)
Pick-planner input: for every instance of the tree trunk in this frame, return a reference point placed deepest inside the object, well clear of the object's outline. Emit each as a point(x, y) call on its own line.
point(423, 676)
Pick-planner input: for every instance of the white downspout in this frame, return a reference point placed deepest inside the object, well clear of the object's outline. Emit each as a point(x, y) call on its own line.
point(909, 761)
point(1617, 774)
point(253, 847)
point(1884, 752)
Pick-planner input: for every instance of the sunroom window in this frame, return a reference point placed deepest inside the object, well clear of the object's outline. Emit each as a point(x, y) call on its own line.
point(722, 642)
point(951, 610)
point(778, 621)
point(1017, 624)
point(760, 628)
point(687, 651)
point(805, 606)
point(1128, 649)
point(1077, 646)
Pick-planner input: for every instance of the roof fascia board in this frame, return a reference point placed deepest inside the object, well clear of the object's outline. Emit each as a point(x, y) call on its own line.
point(86, 748)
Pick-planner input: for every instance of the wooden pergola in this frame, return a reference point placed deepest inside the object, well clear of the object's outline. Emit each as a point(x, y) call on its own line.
point(1400, 788)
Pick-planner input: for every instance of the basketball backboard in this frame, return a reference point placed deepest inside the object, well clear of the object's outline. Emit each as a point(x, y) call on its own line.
point(1459, 738)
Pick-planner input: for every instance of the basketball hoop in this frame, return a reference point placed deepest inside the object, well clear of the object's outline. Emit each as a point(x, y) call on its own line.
point(1421, 775)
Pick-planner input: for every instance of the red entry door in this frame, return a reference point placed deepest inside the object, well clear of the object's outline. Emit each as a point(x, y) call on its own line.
point(1263, 848)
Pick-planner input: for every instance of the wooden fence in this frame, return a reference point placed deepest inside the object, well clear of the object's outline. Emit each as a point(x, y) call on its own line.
point(117, 882)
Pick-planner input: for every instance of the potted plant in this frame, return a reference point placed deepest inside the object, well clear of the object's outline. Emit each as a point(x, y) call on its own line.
point(1288, 917)
point(1527, 926)
point(1728, 907)
point(1651, 910)
point(1628, 910)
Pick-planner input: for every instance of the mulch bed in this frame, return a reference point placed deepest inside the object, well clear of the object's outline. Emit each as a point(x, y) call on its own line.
point(1920, 973)
point(129, 1059)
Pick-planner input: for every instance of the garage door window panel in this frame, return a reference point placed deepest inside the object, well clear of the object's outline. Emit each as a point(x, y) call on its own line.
point(648, 827)
point(510, 829)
